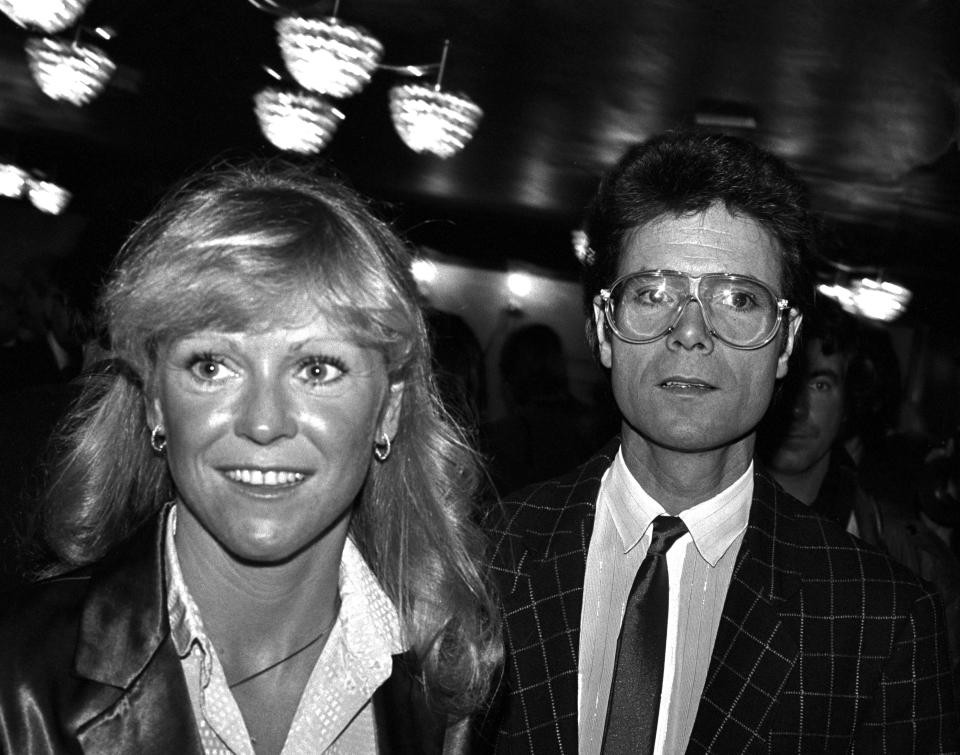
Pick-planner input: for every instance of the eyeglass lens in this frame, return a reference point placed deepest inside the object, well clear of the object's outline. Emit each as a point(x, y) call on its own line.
point(740, 310)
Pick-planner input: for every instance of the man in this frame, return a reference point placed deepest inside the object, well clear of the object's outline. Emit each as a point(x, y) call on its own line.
point(780, 632)
point(802, 441)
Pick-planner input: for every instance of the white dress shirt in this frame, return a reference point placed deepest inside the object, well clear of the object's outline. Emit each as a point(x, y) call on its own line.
point(335, 714)
point(700, 564)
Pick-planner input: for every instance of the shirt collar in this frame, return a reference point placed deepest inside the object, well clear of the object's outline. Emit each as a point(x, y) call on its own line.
point(186, 626)
point(368, 618)
point(714, 524)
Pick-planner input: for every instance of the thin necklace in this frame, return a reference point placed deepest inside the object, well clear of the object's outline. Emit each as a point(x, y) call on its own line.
point(295, 653)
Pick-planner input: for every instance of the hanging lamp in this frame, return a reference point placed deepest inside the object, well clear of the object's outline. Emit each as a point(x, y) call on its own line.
point(51, 16)
point(431, 120)
point(296, 121)
point(327, 56)
point(68, 70)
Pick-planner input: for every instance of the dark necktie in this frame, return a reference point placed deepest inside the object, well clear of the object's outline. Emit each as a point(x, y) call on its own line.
point(638, 675)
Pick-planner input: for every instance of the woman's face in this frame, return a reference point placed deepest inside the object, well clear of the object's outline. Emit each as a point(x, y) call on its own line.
point(270, 435)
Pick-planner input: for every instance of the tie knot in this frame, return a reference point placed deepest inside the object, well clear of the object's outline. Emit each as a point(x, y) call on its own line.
point(666, 529)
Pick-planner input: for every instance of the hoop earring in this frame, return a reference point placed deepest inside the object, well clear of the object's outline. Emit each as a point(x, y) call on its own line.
point(158, 441)
point(381, 450)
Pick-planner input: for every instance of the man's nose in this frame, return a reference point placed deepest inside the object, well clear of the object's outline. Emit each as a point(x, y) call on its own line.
point(691, 331)
point(801, 404)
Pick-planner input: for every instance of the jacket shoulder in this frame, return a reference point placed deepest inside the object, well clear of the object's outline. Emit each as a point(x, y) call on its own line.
point(531, 508)
point(39, 624)
point(788, 536)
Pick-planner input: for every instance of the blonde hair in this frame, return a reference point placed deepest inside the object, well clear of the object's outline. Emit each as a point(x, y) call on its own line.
point(218, 253)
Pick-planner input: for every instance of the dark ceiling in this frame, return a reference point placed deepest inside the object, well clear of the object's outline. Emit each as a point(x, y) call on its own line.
point(862, 96)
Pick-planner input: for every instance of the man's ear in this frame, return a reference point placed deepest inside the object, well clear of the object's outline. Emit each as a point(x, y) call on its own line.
point(602, 334)
point(793, 329)
point(390, 418)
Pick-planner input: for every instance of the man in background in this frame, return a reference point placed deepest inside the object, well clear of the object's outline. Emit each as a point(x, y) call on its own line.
point(802, 442)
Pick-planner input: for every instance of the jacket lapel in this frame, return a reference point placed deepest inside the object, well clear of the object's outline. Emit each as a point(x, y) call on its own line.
point(138, 695)
point(755, 650)
point(544, 601)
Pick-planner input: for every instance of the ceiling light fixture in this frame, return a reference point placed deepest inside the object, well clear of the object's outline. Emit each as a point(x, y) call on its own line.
point(330, 58)
point(51, 16)
point(48, 197)
point(13, 180)
point(873, 299)
point(296, 121)
point(431, 120)
point(68, 71)
point(581, 246)
point(327, 56)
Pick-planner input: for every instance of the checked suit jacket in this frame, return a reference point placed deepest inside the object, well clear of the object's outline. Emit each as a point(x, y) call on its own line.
point(824, 644)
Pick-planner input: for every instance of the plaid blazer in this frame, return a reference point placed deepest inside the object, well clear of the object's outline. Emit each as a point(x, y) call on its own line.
point(824, 643)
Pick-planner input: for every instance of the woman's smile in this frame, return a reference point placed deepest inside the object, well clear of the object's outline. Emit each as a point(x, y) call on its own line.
point(288, 415)
point(270, 478)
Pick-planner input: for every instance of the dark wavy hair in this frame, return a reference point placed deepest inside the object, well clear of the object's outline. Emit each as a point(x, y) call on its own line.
point(684, 173)
point(234, 249)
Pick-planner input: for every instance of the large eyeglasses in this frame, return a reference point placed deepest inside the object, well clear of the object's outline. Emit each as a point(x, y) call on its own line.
point(739, 310)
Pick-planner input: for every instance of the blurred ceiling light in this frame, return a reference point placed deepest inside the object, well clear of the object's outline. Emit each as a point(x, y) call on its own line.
point(423, 271)
point(723, 120)
point(429, 120)
point(51, 16)
point(13, 180)
point(519, 284)
point(872, 299)
point(48, 197)
point(327, 56)
point(296, 121)
point(68, 71)
point(725, 114)
point(581, 246)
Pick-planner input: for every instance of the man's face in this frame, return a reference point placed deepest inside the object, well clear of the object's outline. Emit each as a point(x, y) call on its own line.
point(816, 413)
point(688, 391)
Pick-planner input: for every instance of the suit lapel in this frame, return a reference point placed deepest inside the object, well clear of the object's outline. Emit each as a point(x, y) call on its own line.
point(755, 650)
point(138, 695)
point(544, 602)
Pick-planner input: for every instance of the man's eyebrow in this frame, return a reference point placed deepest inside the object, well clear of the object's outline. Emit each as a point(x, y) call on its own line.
point(827, 372)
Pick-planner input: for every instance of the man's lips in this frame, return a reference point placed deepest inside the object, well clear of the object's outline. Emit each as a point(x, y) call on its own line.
point(677, 383)
point(801, 434)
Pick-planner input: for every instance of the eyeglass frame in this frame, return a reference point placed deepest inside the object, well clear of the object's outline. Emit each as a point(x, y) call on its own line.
point(607, 306)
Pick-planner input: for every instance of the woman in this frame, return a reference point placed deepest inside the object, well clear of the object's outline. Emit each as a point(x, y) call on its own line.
point(266, 507)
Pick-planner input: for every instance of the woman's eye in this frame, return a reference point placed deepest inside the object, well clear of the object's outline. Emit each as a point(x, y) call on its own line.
point(321, 371)
point(209, 368)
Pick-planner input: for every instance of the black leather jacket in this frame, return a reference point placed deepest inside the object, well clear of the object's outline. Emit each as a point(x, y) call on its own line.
point(87, 665)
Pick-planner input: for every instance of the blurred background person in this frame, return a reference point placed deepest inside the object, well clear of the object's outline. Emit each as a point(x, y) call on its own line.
point(38, 366)
point(261, 511)
point(546, 429)
point(803, 436)
point(25, 356)
point(842, 394)
point(458, 364)
point(940, 492)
